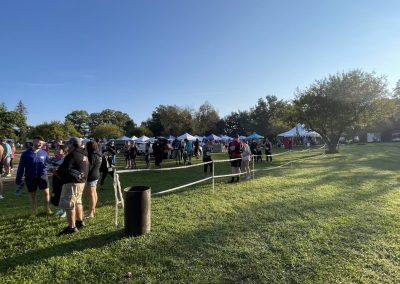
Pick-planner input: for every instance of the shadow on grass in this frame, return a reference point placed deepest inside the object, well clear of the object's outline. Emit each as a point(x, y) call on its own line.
point(64, 249)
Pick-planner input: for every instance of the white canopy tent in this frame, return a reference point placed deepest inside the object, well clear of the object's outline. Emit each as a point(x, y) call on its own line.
point(142, 139)
point(299, 130)
point(124, 138)
point(186, 136)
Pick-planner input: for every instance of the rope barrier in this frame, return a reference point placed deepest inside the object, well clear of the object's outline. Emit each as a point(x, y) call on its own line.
point(117, 185)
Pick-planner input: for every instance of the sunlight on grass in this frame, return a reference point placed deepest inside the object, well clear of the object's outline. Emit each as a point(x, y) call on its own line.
point(332, 219)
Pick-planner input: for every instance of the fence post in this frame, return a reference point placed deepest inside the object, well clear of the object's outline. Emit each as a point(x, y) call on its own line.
point(213, 174)
point(254, 172)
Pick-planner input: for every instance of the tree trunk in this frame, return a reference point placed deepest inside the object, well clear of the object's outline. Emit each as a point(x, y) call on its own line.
point(332, 148)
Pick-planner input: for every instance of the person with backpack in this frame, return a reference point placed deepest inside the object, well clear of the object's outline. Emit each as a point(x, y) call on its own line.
point(73, 173)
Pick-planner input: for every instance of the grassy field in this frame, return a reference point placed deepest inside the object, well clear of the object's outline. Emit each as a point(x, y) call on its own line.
point(331, 219)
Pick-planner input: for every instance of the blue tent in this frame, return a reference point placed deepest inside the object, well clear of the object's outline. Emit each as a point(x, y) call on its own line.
point(255, 136)
point(213, 137)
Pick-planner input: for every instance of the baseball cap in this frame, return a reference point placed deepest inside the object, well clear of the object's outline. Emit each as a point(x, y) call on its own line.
point(75, 141)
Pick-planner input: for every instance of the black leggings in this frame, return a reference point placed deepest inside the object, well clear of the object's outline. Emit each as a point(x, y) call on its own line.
point(207, 159)
point(268, 156)
point(104, 175)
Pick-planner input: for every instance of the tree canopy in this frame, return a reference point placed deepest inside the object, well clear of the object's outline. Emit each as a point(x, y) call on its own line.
point(331, 105)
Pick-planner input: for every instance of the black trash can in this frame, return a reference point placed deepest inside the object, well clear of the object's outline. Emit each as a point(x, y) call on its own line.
point(137, 207)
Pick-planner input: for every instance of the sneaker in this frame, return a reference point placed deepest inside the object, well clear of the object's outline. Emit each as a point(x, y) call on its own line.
point(79, 224)
point(1, 197)
point(63, 215)
point(48, 211)
point(18, 192)
point(67, 231)
point(59, 212)
point(8, 175)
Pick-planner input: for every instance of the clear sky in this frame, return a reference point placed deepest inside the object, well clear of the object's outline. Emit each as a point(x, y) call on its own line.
point(65, 55)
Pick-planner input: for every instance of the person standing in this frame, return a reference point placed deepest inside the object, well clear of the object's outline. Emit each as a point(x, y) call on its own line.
point(147, 155)
point(93, 176)
point(6, 157)
point(235, 150)
point(12, 155)
point(197, 148)
point(1, 188)
point(106, 168)
point(127, 154)
point(268, 149)
point(207, 150)
point(32, 165)
point(246, 157)
point(111, 148)
point(177, 151)
point(133, 154)
point(73, 173)
point(189, 150)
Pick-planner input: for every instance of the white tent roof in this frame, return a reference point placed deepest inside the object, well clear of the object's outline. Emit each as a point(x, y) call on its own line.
point(186, 136)
point(299, 130)
point(142, 139)
point(125, 138)
point(133, 138)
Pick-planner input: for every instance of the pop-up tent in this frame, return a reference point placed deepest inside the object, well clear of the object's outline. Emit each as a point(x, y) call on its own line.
point(124, 138)
point(213, 137)
point(299, 131)
point(186, 136)
point(255, 136)
point(133, 138)
point(142, 139)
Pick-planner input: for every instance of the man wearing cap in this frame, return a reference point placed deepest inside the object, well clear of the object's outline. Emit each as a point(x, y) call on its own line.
point(73, 173)
point(32, 165)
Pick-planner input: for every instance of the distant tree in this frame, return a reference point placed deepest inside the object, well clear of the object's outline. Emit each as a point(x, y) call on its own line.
point(237, 123)
point(70, 130)
point(143, 130)
point(49, 130)
point(170, 119)
point(206, 119)
point(331, 105)
point(10, 122)
point(80, 121)
point(21, 125)
point(109, 116)
point(107, 130)
point(396, 90)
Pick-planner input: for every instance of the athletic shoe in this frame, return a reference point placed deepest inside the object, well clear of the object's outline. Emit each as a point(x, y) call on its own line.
point(249, 177)
point(63, 215)
point(59, 212)
point(1, 197)
point(79, 224)
point(48, 211)
point(67, 231)
point(8, 175)
point(18, 192)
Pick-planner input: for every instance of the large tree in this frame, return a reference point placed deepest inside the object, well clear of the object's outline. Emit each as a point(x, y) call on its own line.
point(206, 119)
point(109, 116)
point(11, 122)
point(80, 120)
point(170, 119)
point(335, 103)
point(237, 123)
point(54, 130)
point(107, 130)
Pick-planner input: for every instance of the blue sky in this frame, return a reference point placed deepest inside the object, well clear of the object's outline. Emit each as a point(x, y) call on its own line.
point(60, 56)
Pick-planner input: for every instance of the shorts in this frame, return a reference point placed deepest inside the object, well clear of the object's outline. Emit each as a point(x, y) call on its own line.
point(33, 184)
point(92, 183)
point(71, 195)
point(236, 163)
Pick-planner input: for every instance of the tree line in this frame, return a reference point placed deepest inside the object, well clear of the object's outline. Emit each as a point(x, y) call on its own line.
point(348, 103)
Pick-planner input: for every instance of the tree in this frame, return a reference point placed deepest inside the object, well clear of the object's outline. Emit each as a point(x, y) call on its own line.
point(21, 125)
point(80, 121)
point(170, 119)
point(10, 122)
point(331, 105)
point(107, 130)
point(206, 119)
point(109, 116)
point(237, 123)
point(49, 130)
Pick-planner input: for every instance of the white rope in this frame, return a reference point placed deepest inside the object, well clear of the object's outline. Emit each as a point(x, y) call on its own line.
point(163, 169)
point(182, 186)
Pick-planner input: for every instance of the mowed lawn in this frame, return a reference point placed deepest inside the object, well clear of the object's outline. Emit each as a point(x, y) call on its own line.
point(330, 219)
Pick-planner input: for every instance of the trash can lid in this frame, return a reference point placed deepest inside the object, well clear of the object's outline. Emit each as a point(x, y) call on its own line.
point(137, 188)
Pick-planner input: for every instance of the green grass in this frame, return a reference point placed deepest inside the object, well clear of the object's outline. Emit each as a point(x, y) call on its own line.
point(332, 219)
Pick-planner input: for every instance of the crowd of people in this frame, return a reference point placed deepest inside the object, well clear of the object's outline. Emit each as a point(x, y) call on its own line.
point(76, 168)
